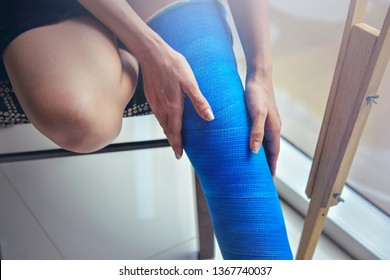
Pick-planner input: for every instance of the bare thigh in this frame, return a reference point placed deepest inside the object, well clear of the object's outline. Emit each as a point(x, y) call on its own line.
point(72, 81)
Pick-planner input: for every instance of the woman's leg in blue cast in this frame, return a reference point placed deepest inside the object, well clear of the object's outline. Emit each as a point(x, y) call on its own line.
point(240, 192)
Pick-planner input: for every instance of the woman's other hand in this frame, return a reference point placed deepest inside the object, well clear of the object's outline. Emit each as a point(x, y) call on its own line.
point(252, 22)
point(266, 120)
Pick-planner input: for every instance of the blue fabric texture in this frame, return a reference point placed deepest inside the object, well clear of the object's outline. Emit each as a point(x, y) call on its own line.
point(241, 195)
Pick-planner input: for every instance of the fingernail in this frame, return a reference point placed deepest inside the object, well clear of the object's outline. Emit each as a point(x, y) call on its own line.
point(209, 115)
point(178, 155)
point(255, 147)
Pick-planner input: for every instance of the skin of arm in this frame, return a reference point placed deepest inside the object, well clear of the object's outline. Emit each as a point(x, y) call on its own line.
point(252, 23)
point(167, 76)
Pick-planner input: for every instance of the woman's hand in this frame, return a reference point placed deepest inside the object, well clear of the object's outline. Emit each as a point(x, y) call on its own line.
point(266, 120)
point(252, 22)
point(167, 79)
point(167, 76)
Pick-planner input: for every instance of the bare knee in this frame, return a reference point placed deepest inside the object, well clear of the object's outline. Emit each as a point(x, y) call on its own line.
point(90, 134)
point(81, 130)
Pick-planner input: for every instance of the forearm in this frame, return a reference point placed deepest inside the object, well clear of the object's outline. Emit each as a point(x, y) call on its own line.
point(124, 22)
point(252, 23)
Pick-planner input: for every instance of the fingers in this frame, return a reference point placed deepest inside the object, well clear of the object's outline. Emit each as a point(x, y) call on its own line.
point(173, 133)
point(172, 129)
point(272, 148)
point(165, 88)
point(174, 124)
point(202, 107)
point(171, 124)
point(271, 142)
point(257, 133)
point(266, 131)
point(166, 83)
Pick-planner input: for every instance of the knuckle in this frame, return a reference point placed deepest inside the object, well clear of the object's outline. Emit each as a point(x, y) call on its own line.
point(168, 132)
point(258, 114)
point(172, 108)
point(268, 137)
point(199, 102)
point(181, 56)
point(274, 154)
point(190, 85)
point(171, 131)
point(276, 128)
point(280, 125)
point(257, 134)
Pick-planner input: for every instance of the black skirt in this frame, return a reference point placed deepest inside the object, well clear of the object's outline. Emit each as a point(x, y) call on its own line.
point(18, 16)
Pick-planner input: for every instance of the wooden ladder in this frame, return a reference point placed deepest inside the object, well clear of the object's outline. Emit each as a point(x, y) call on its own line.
point(362, 60)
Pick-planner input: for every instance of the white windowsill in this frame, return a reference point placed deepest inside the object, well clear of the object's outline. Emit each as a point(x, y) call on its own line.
point(358, 227)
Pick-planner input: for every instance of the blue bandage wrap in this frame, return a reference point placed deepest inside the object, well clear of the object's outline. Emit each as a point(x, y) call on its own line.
point(241, 195)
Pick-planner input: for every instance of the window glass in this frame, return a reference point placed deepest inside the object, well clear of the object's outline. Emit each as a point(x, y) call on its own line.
point(306, 37)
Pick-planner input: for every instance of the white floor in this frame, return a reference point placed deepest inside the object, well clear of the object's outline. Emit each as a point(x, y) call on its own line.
point(128, 205)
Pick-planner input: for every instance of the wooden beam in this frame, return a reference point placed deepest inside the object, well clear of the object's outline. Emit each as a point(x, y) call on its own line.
point(361, 65)
point(356, 14)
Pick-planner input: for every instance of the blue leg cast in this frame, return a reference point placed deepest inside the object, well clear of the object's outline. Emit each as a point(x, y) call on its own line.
point(243, 202)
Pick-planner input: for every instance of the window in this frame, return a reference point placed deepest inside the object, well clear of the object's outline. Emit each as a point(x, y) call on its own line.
point(306, 37)
point(306, 44)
